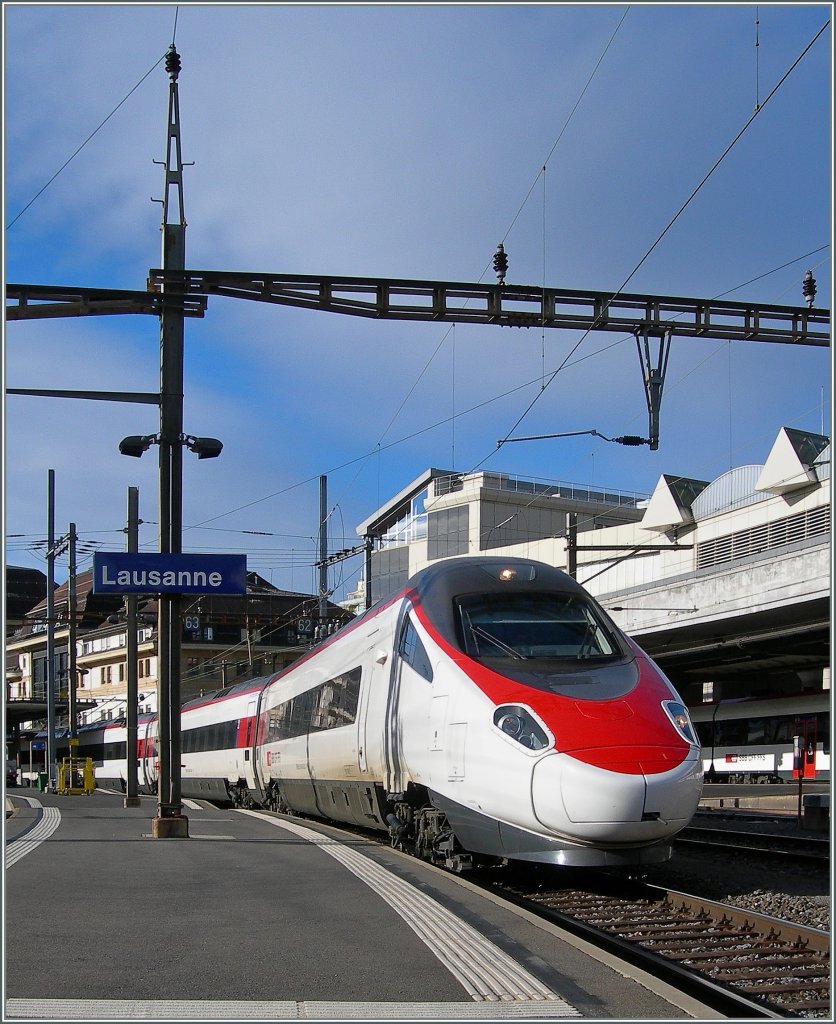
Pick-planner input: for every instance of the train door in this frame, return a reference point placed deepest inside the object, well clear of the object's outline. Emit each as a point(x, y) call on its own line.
point(374, 686)
point(363, 711)
point(259, 755)
point(249, 745)
point(804, 761)
point(394, 780)
point(149, 758)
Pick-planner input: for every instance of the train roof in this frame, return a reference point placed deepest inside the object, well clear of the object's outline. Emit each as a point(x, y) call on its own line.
point(454, 577)
point(437, 587)
point(248, 686)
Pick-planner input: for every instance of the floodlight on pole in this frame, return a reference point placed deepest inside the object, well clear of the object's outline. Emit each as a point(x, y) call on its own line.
point(204, 447)
point(137, 444)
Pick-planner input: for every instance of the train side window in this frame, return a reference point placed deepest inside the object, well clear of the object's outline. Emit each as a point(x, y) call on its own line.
point(733, 732)
point(756, 733)
point(414, 653)
point(229, 730)
point(301, 715)
point(705, 733)
point(823, 728)
point(335, 701)
point(781, 730)
point(278, 722)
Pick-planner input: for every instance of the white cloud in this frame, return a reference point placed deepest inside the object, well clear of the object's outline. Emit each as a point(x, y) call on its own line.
point(400, 142)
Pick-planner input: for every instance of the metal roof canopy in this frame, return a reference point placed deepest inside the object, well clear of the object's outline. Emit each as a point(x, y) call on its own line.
point(18, 711)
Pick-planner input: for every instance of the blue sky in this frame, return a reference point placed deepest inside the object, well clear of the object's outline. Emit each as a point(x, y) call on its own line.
point(405, 142)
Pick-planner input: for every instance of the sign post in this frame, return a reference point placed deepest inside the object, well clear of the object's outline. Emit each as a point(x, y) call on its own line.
point(798, 766)
point(33, 745)
point(131, 798)
point(168, 574)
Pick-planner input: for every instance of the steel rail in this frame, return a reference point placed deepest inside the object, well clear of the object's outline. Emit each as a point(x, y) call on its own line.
point(727, 927)
point(764, 844)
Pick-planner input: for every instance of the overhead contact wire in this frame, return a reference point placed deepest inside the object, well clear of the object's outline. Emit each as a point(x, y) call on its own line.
point(89, 137)
point(668, 226)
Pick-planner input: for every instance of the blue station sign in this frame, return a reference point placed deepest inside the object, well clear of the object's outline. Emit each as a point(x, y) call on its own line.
point(124, 572)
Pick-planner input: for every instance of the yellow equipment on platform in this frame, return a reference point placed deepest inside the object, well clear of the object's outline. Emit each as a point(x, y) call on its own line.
point(75, 776)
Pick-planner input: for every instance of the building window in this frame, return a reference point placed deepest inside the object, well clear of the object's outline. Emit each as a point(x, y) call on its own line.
point(502, 524)
point(390, 571)
point(448, 532)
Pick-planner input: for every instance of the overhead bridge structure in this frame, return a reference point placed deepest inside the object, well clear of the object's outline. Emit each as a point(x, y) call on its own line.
point(502, 305)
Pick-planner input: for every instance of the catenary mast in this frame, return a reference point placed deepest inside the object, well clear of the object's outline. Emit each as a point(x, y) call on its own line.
point(170, 821)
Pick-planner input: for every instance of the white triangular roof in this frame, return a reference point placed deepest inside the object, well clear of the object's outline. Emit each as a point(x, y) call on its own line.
point(790, 463)
point(670, 503)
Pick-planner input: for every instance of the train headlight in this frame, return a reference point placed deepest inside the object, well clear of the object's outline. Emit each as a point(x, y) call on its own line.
point(681, 720)
point(519, 724)
point(517, 573)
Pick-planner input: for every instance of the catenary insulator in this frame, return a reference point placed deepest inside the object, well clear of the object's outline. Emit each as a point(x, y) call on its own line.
point(631, 439)
point(172, 63)
point(500, 263)
point(808, 287)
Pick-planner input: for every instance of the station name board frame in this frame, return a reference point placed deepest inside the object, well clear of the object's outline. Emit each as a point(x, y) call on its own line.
point(120, 572)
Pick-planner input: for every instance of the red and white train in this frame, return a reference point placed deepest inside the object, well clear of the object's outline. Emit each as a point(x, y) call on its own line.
point(490, 709)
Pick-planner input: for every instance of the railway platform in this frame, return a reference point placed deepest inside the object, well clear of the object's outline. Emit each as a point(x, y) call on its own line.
point(259, 916)
point(810, 806)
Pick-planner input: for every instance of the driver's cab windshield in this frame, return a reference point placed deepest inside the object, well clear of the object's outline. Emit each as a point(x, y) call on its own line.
point(520, 626)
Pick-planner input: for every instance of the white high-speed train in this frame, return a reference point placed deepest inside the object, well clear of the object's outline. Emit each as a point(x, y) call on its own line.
point(490, 709)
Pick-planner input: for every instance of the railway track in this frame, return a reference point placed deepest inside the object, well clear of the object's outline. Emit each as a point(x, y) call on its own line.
point(742, 964)
point(800, 848)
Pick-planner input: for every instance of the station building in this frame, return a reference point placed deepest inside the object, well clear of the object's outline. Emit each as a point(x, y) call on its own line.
point(725, 583)
point(225, 639)
point(24, 589)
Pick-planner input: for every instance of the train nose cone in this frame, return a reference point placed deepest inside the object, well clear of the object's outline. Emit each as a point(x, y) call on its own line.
point(590, 794)
point(571, 795)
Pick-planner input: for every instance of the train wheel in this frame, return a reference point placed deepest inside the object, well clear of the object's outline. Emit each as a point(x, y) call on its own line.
point(240, 796)
point(459, 863)
point(276, 801)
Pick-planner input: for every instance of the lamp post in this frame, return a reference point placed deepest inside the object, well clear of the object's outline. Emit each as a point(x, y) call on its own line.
point(131, 798)
point(169, 822)
point(50, 767)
